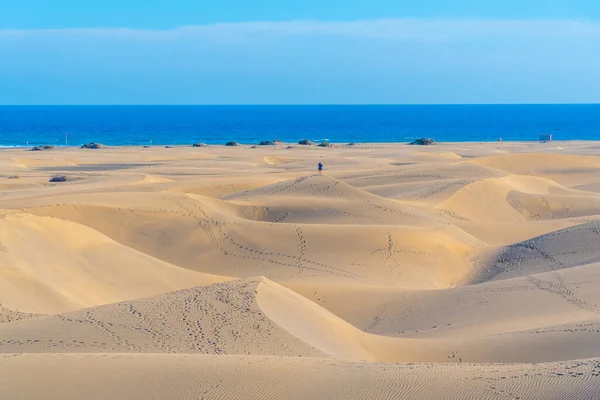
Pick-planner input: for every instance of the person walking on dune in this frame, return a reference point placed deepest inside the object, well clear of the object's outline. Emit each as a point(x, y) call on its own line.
point(320, 166)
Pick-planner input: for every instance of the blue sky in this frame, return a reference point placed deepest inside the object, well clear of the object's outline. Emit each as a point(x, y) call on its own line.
point(161, 14)
point(283, 52)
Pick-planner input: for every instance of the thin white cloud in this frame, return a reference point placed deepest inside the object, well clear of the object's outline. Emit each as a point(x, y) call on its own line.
point(387, 29)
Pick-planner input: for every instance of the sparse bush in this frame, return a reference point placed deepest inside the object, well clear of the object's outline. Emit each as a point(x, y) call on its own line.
point(306, 142)
point(324, 144)
point(59, 178)
point(92, 146)
point(231, 144)
point(13, 177)
point(199, 145)
point(253, 147)
point(422, 142)
point(351, 144)
point(266, 143)
point(42, 148)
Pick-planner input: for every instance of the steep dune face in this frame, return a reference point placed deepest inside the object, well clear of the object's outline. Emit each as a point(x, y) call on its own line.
point(310, 322)
point(49, 265)
point(566, 248)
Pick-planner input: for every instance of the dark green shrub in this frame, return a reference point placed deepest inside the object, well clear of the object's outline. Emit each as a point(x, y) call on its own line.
point(422, 142)
point(59, 178)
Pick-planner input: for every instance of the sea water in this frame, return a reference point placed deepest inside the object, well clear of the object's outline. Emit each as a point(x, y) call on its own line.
point(162, 125)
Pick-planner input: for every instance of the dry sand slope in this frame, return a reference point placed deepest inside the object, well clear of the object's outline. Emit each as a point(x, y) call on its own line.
point(402, 272)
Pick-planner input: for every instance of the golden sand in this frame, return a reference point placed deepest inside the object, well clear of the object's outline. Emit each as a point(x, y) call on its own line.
point(447, 271)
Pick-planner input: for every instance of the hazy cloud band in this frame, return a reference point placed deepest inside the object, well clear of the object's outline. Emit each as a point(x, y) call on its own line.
point(390, 29)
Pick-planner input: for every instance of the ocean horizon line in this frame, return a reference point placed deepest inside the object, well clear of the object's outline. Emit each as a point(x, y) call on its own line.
point(302, 104)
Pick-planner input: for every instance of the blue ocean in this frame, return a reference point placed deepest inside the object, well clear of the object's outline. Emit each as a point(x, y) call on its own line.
point(180, 125)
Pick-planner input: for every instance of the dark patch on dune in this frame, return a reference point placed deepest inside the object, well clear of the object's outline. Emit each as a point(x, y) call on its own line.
point(423, 142)
point(42, 148)
point(59, 178)
point(92, 146)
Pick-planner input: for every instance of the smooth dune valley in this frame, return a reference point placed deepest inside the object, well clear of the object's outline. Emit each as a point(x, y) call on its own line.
point(450, 271)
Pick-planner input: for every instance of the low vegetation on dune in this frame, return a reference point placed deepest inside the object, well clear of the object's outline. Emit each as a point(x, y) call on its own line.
point(423, 142)
point(92, 146)
point(266, 143)
point(306, 142)
point(59, 178)
point(42, 148)
point(232, 144)
point(199, 145)
point(324, 144)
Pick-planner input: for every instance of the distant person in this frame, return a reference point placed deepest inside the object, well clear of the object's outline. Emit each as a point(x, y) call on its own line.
point(320, 168)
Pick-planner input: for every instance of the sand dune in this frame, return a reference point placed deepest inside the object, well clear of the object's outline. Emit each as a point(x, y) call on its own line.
point(323, 200)
point(216, 319)
point(566, 248)
point(565, 169)
point(48, 265)
point(220, 272)
point(501, 306)
point(216, 237)
point(258, 316)
point(517, 198)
